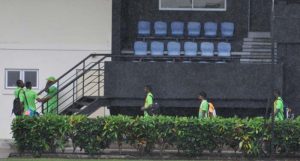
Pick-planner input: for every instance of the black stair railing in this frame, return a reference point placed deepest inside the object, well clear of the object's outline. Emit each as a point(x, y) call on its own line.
point(84, 79)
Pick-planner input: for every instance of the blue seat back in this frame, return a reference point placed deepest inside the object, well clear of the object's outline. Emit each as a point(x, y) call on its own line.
point(224, 49)
point(190, 49)
point(177, 28)
point(157, 48)
point(210, 29)
point(207, 49)
point(140, 48)
point(144, 28)
point(194, 28)
point(160, 28)
point(227, 29)
point(173, 48)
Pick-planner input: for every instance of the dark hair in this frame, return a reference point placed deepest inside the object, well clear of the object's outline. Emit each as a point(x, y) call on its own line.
point(203, 94)
point(277, 92)
point(28, 85)
point(149, 88)
point(19, 83)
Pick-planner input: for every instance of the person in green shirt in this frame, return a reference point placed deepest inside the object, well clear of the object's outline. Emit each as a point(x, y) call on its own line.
point(278, 106)
point(203, 109)
point(51, 99)
point(19, 92)
point(30, 100)
point(148, 100)
point(20, 86)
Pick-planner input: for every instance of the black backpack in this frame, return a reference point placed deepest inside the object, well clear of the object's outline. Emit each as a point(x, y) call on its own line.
point(154, 109)
point(18, 108)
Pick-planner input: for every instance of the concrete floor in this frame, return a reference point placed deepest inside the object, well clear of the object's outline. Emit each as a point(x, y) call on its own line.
point(6, 147)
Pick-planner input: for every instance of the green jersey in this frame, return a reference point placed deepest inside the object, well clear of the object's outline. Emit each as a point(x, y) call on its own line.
point(52, 103)
point(278, 106)
point(148, 102)
point(203, 108)
point(30, 98)
point(19, 92)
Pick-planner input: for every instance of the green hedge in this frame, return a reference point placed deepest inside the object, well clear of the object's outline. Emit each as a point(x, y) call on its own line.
point(189, 135)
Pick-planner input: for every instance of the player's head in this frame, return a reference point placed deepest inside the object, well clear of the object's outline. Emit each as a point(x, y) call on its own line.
point(20, 83)
point(28, 85)
point(148, 88)
point(202, 95)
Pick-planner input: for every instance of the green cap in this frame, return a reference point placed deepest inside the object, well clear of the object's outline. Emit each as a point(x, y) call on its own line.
point(51, 79)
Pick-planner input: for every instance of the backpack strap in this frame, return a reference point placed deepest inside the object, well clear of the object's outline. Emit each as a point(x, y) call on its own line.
point(26, 99)
point(19, 93)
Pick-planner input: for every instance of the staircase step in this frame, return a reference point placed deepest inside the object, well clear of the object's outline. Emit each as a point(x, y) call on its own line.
point(257, 39)
point(240, 53)
point(257, 43)
point(257, 50)
point(257, 60)
point(257, 47)
point(73, 110)
point(259, 34)
point(87, 100)
point(260, 54)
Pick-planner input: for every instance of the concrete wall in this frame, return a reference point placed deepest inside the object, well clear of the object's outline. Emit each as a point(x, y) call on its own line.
point(286, 32)
point(291, 94)
point(178, 84)
point(287, 22)
point(51, 36)
point(260, 15)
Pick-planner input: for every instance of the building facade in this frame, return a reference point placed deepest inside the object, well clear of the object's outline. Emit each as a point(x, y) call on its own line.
point(45, 38)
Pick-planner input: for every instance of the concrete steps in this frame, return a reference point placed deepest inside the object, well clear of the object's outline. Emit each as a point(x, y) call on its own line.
point(259, 35)
point(258, 45)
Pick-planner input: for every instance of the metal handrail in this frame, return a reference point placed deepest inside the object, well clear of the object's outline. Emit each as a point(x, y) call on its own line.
point(78, 76)
point(70, 70)
point(78, 91)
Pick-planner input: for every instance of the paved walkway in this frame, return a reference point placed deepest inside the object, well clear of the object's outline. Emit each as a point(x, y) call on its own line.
point(6, 148)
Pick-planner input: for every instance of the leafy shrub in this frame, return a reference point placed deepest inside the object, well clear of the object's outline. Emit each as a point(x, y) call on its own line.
point(90, 136)
point(118, 129)
point(41, 134)
point(190, 135)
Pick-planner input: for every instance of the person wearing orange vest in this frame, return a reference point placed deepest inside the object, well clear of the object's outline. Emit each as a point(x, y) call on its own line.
point(211, 110)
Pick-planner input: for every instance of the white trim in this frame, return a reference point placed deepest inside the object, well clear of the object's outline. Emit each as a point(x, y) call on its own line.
point(6, 77)
point(22, 77)
point(192, 8)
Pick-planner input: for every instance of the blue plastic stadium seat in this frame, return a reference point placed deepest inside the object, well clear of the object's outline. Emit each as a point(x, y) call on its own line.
point(194, 29)
point(207, 49)
point(190, 49)
point(227, 29)
point(173, 48)
point(210, 29)
point(160, 28)
point(177, 28)
point(224, 49)
point(144, 28)
point(140, 48)
point(157, 48)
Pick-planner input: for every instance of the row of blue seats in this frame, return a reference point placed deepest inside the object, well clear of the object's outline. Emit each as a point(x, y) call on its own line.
point(174, 48)
point(193, 29)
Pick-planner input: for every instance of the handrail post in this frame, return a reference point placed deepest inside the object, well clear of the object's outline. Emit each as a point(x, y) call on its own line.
point(83, 79)
point(43, 108)
point(99, 76)
point(57, 97)
point(73, 93)
point(272, 76)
